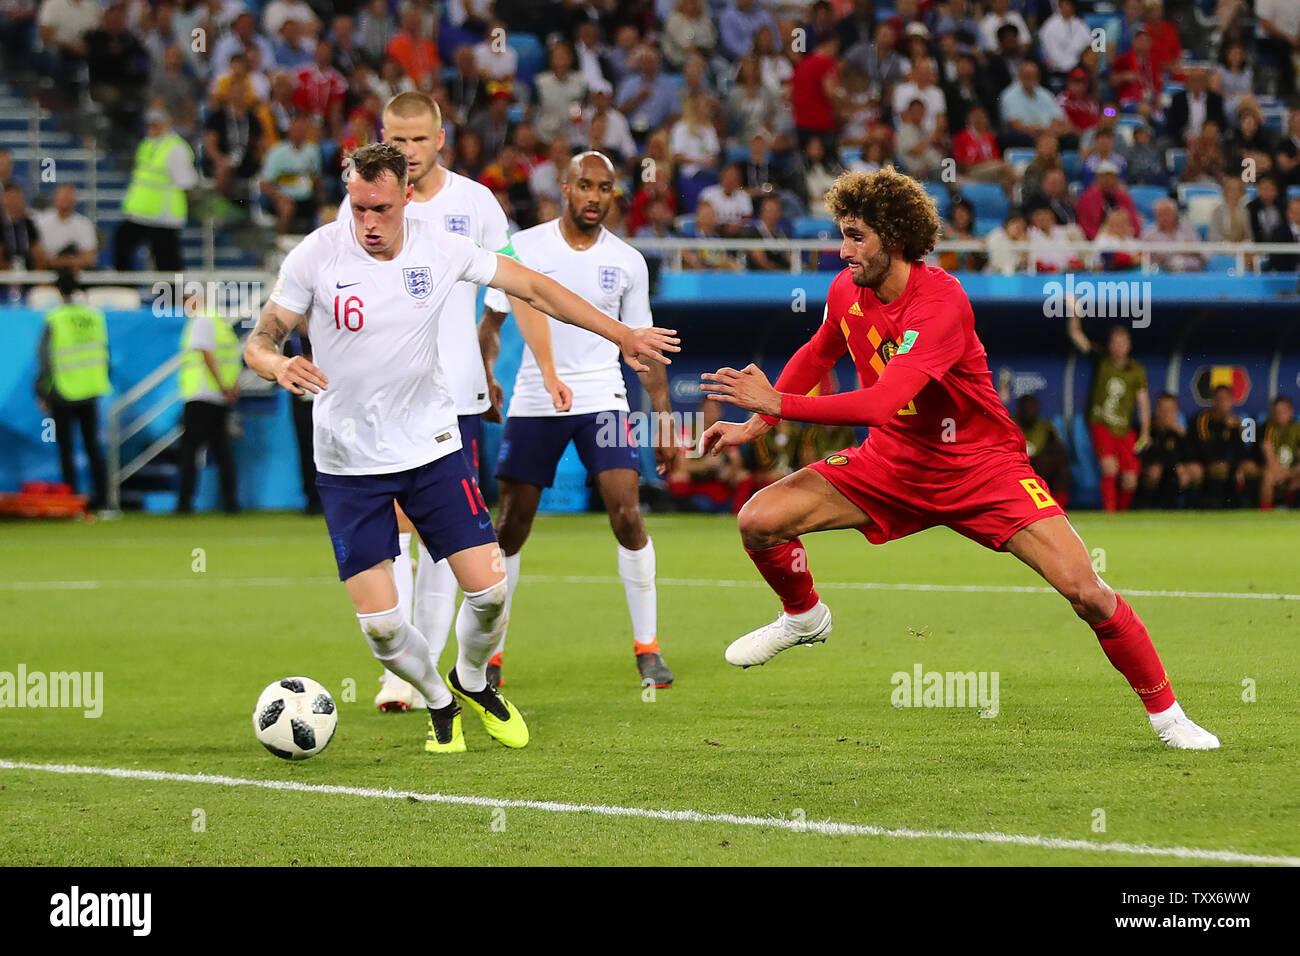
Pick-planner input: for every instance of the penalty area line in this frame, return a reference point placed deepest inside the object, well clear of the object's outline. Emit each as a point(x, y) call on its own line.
point(823, 827)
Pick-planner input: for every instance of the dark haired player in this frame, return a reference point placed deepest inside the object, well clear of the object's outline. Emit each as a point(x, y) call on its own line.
point(369, 291)
point(942, 449)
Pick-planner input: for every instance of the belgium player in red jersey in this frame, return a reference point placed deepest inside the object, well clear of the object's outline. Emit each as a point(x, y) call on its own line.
point(942, 449)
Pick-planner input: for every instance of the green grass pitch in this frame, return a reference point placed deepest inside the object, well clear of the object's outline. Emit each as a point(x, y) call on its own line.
point(189, 619)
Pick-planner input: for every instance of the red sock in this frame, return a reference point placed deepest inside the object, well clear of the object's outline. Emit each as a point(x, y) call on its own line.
point(1125, 498)
point(1108, 492)
point(785, 569)
point(1127, 645)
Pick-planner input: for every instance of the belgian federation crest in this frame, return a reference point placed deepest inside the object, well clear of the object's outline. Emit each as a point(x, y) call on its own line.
point(419, 281)
point(611, 277)
point(457, 224)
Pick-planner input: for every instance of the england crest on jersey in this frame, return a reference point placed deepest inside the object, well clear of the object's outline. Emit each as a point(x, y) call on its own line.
point(419, 281)
point(457, 224)
point(611, 277)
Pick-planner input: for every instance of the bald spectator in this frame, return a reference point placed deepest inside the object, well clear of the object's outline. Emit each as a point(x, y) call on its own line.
point(647, 98)
point(1054, 193)
point(1191, 107)
point(738, 24)
point(919, 153)
point(20, 240)
point(1029, 110)
point(921, 86)
point(1105, 194)
point(290, 48)
point(277, 12)
point(1169, 227)
point(67, 235)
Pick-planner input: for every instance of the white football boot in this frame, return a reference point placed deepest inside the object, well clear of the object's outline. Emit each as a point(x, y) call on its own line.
point(396, 696)
point(1179, 731)
point(760, 646)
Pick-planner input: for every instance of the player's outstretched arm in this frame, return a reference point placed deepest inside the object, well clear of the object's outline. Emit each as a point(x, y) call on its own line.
point(262, 352)
point(749, 388)
point(546, 295)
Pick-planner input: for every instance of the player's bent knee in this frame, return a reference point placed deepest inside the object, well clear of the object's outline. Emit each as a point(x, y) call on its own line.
point(760, 526)
point(381, 628)
point(489, 604)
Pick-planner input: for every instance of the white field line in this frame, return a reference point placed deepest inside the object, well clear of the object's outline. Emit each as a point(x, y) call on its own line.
point(823, 827)
point(202, 580)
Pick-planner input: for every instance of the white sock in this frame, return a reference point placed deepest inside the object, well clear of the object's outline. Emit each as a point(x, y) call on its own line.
point(637, 569)
point(404, 651)
point(480, 623)
point(804, 617)
point(435, 601)
point(404, 575)
point(512, 582)
point(1166, 716)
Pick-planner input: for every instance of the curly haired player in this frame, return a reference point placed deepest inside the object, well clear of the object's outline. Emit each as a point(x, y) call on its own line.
point(942, 449)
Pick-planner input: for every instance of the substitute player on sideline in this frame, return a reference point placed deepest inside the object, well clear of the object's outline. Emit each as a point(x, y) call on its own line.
point(370, 292)
point(413, 123)
point(942, 449)
point(610, 274)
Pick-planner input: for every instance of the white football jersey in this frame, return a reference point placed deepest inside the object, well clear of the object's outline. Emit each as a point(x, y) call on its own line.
point(469, 209)
point(373, 326)
point(612, 276)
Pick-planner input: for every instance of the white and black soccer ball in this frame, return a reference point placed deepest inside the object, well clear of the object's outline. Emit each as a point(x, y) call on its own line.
point(295, 718)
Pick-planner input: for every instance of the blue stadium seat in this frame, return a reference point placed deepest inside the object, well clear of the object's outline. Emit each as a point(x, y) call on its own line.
point(1072, 163)
point(986, 224)
point(988, 199)
point(1220, 263)
point(686, 225)
point(1203, 230)
point(813, 227)
point(531, 54)
point(941, 196)
point(1019, 157)
point(1144, 197)
point(850, 154)
point(690, 187)
point(1188, 191)
point(737, 154)
point(1292, 192)
point(1176, 161)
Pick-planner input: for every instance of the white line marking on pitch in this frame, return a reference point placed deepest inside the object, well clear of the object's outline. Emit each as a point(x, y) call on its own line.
point(824, 827)
point(200, 582)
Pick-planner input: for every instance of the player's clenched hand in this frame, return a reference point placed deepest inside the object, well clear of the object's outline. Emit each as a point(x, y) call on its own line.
point(298, 376)
point(722, 435)
point(649, 343)
point(666, 450)
point(748, 388)
point(496, 399)
point(561, 394)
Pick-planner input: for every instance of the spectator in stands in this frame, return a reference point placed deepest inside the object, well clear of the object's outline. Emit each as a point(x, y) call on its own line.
point(469, 160)
point(497, 59)
point(708, 482)
point(1136, 77)
point(1205, 161)
point(65, 234)
point(62, 26)
point(879, 59)
point(1130, 22)
point(119, 71)
point(818, 170)
point(1267, 216)
point(1116, 248)
point(1250, 140)
point(1049, 243)
point(320, 92)
point(1289, 263)
point(1190, 108)
point(1101, 197)
point(155, 207)
point(1286, 160)
point(858, 25)
point(1079, 101)
point(178, 89)
point(1062, 37)
point(729, 200)
point(1003, 258)
point(693, 140)
point(814, 93)
point(1166, 48)
point(375, 30)
point(712, 260)
point(739, 23)
point(821, 24)
point(1103, 152)
point(1056, 196)
point(545, 178)
point(1146, 161)
point(1279, 39)
point(689, 29)
point(758, 175)
point(290, 49)
point(1165, 461)
point(774, 64)
point(768, 226)
point(647, 98)
point(7, 168)
point(1280, 450)
point(1228, 221)
point(1028, 110)
point(1047, 155)
point(920, 154)
point(243, 35)
point(20, 239)
point(413, 48)
point(232, 144)
point(1119, 385)
point(616, 139)
point(276, 114)
point(970, 88)
point(998, 16)
point(658, 224)
point(1221, 462)
point(1048, 455)
point(277, 12)
point(750, 105)
point(291, 180)
point(771, 458)
point(1234, 80)
point(916, 44)
point(466, 89)
point(618, 58)
point(961, 226)
point(343, 40)
point(920, 85)
point(1170, 227)
point(493, 124)
point(560, 92)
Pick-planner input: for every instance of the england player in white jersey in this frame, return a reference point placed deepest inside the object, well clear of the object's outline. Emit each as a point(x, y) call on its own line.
point(413, 123)
point(369, 292)
point(612, 276)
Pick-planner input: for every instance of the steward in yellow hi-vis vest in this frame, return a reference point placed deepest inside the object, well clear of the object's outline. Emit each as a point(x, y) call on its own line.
point(155, 207)
point(73, 375)
point(209, 384)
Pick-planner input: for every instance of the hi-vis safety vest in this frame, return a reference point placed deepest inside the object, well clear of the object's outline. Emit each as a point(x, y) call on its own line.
point(78, 352)
point(195, 375)
point(152, 197)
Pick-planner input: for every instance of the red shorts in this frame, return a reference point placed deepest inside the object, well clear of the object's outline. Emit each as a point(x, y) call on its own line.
point(1106, 445)
point(987, 504)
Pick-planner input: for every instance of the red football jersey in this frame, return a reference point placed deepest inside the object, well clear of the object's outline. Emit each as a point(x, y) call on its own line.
point(957, 421)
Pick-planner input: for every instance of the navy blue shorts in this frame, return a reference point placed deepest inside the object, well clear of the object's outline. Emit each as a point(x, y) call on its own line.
point(532, 447)
point(471, 440)
point(441, 498)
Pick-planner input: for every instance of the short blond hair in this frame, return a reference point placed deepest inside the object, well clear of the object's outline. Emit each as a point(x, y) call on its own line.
point(413, 103)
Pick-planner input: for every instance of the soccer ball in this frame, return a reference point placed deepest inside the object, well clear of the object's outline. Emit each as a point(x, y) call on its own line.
point(295, 718)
